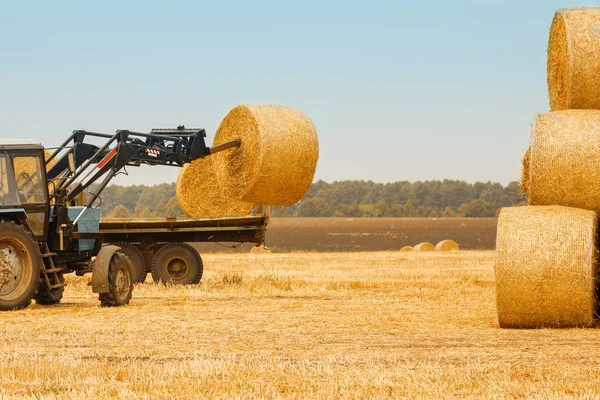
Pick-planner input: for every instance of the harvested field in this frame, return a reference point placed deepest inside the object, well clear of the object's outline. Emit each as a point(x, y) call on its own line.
point(371, 234)
point(301, 325)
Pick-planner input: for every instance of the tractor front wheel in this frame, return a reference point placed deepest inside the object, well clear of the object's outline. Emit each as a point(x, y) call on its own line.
point(120, 282)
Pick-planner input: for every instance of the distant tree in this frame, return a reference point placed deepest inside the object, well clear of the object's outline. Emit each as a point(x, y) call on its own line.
point(169, 209)
point(410, 210)
point(477, 208)
point(449, 212)
point(120, 211)
point(315, 207)
point(142, 211)
point(347, 210)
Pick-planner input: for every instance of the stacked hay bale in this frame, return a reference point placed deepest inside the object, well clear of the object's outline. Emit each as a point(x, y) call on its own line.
point(274, 165)
point(547, 251)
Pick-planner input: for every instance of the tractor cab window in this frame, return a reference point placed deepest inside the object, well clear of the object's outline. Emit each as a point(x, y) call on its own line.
point(8, 193)
point(29, 178)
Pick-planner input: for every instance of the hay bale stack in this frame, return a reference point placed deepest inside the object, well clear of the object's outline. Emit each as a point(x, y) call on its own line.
point(574, 59)
point(276, 162)
point(546, 267)
point(406, 249)
point(424, 247)
point(199, 195)
point(447, 245)
point(564, 166)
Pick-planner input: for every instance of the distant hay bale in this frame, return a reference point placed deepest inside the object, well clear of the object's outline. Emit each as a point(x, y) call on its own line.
point(447, 245)
point(260, 250)
point(564, 166)
point(276, 162)
point(546, 267)
point(424, 247)
point(574, 59)
point(524, 183)
point(199, 193)
point(406, 249)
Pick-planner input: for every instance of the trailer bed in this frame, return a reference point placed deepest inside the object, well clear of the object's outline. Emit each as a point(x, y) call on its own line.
point(150, 231)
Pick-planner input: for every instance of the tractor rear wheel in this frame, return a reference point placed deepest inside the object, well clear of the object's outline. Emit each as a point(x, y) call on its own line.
point(120, 282)
point(20, 267)
point(138, 261)
point(177, 264)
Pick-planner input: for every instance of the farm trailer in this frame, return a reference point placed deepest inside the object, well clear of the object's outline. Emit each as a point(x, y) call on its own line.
point(160, 246)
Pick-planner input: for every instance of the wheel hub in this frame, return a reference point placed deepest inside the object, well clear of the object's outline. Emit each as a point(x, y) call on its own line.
point(122, 283)
point(177, 268)
point(11, 268)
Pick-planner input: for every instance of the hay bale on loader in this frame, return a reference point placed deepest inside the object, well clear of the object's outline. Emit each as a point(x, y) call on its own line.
point(447, 245)
point(276, 161)
point(199, 194)
point(574, 59)
point(546, 267)
point(424, 247)
point(564, 163)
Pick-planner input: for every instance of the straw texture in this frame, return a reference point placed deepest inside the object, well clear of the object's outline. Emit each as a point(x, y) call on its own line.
point(424, 247)
point(565, 159)
point(447, 245)
point(574, 59)
point(260, 250)
point(406, 249)
point(525, 162)
point(276, 162)
point(546, 267)
point(199, 194)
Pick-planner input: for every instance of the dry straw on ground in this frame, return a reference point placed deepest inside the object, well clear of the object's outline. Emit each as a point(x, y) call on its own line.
point(260, 250)
point(406, 249)
point(574, 59)
point(546, 267)
point(565, 159)
point(276, 162)
point(447, 245)
point(423, 247)
point(199, 193)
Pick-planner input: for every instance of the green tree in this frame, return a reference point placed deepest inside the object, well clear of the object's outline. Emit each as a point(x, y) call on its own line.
point(477, 208)
point(410, 210)
point(315, 207)
point(120, 211)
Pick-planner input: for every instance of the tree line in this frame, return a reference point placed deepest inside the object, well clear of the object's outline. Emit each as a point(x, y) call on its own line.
point(447, 198)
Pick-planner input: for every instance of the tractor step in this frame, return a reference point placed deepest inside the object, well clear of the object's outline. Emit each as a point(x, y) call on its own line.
point(52, 270)
point(48, 254)
point(58, 285)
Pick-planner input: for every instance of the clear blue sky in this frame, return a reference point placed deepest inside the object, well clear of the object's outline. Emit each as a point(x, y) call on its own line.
point(398, 90)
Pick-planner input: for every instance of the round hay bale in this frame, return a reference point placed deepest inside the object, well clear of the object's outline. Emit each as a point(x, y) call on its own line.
point(424, 247)
point(406, 249)
point(276, 162)
point(574, 59)
point(546, 267)
point(564, 166)
point(447, 245)
point(524, 183)
point(199, 195)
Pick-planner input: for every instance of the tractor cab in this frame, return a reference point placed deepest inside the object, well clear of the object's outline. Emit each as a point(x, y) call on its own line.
point(23, 187)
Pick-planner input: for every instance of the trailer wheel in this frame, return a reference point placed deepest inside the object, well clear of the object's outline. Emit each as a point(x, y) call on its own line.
point(48, 297)
point(138, 261)
point(20, 267)
point(120, 282)
point(177, 264)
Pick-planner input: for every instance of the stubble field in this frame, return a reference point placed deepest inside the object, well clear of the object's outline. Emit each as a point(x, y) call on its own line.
point(297, 325)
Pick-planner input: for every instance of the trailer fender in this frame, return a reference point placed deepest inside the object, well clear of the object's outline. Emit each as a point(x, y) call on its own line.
point(100, 271)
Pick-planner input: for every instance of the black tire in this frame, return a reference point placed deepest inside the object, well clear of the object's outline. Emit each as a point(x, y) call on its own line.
point(120, 282)
point(20, 267)
point(48, 297)
point(177, 264)
point(138, 261)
